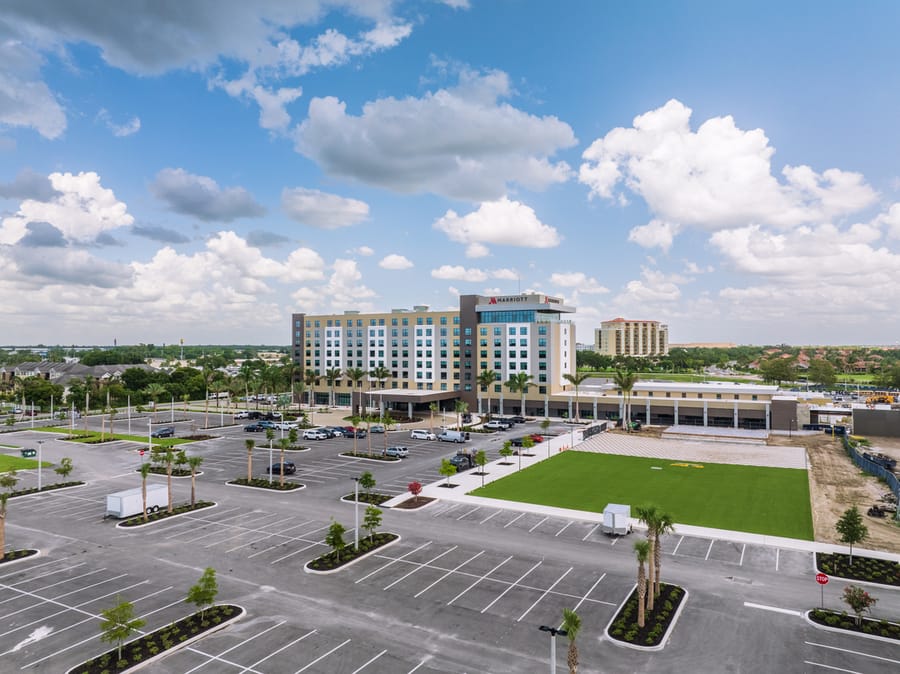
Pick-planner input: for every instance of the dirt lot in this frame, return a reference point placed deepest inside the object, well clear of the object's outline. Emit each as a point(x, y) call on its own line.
point(835, 484)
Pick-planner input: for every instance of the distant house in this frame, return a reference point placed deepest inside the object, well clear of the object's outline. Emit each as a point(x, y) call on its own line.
point(65, 373)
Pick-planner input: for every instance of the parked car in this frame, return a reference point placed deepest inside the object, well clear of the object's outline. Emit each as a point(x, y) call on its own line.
point(288, 468)
point(463, 461)
point(376, 428)
point(359, 433)
point(254, 428)
point(267, 424)
point(535, 437)
point(242, 414)
point(422, 434)
point(399, 452)
point(497, 425)
point(453, 436)
point(518, 419)
point(467, 417)
point(348, 430)
point(336, 431)
point(315, 434)
point(286, 425)
point(164, 432)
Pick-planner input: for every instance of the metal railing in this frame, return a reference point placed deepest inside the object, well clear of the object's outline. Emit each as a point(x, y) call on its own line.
point(873, 468)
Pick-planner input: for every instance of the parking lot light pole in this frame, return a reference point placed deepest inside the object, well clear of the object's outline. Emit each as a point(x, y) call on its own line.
point(553, 632)
point(356, 509)
point(270, 461)
point(40, 446)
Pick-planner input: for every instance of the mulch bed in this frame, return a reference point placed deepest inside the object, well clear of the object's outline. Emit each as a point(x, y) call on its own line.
point(370, 499)
point(49, 487)
point(13, 555)
point(263, 483)
point(448, 486)
point(843, 621)
point(365, 455)
point(414, 503)
point(137, 520)
point(871, 570)
point(163, 639)
point(656, 622)
point(176, 472)
point(198, 437)
point(332, 560)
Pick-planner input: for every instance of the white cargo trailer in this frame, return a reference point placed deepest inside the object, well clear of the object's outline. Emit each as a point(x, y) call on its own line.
point(130, 502)
point(615, 519)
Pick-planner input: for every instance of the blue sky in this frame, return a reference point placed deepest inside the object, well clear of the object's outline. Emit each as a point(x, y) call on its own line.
point(202, 170)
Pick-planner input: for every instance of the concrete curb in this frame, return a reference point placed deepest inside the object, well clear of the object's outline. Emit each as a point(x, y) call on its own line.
point(637, 647)
point(121, 525)
point(348, 564)
point(838, 630)
point(21, 559)
point(300, 488)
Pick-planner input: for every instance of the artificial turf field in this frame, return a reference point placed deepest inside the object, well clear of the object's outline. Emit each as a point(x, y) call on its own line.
point(772, 501)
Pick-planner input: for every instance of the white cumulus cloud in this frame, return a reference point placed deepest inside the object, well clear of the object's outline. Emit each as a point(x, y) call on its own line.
point(579, 281)
point(394, 261)
point(201, 197)
point(458, 273)
point(319, 209)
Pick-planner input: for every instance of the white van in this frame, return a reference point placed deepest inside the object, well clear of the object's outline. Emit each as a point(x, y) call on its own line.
point(453, 436)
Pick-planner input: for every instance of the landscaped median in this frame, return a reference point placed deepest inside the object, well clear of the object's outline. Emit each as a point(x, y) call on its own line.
point(338, 559)
point(263, 483)
point(18, 555)
point(152, 518)
point(658, 622)
point(865, 569)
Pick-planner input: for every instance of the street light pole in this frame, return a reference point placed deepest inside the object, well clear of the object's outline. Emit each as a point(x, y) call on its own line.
point(553, 632)
point(40, 446)
point(356, 509)
point(270, 461)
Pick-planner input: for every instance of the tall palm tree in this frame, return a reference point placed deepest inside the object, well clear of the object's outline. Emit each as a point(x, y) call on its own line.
point(649, 515)
point(356, 420)
point(485, 380)
point(369, 419)
point(519, 382)
point(380, 374)
point(194, 462)
point(642, 552)
point(665, 524)
point(432, 407)
point(311, 378)
point(332, 374)
point(576, 380)
point(355, 375)
point(572, 625)
point(460, 407)
point(145, 471)
point(625, 381)
point(249, 445)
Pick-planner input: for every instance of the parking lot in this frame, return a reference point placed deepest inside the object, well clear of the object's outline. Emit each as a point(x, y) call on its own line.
point(462, 591)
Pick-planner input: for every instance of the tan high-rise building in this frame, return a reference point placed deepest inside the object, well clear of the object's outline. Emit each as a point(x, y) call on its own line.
point(639, 339)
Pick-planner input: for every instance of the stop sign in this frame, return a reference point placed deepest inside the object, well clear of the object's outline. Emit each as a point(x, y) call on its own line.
point(821, 579)
point(142, 454)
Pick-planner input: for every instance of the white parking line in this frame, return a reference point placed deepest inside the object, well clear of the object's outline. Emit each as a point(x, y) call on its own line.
point(392, 562)
point(447, 510)
point(675, 551)
point(743, 550)
point(359, 669)
point(546, 592)
point(514, 519)
point(271, 517)
point(710, 549)
point(588, 534)
point(511, 586)
point(473, 510)
point(847, 650)
point(567, 525)
point(276, 652)
point(774, 609)
point(420, 566)
point(451, 571)
point(322, 657)
point(427, 658)
point(478, 580)
point(777, 554)
point(831, 667)
point(38, 566)
point(493, 514)
point(538, 524)
point(296, 552)
point(47, 587)
point(278, 545)
point(237, 645)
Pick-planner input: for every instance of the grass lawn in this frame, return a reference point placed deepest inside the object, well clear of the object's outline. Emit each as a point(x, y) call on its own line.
point(773, 501)
point(84, 436)
point(8, 463)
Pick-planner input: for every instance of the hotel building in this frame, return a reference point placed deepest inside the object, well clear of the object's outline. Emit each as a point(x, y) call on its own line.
point(639, 339)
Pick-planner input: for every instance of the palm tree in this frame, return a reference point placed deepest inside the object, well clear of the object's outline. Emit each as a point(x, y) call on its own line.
point(572, 625)
point(642, 551)
point(460, 407)
point(432, 407)
point(154, 390)
point(625, 381)
point(145, 471)
point(356, 420)
point(332, 374)
point(485, 380)
point(369, 418)
point(576, 380)
point(519, 382)
point(380, 374)
point(249, 445)
point(649, 515)
point(194, 462)
point(665, 524)
point(311, 378)
point(387, 421)
point(355, 375)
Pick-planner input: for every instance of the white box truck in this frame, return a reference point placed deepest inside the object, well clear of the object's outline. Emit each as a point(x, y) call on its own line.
point(615, 519)
point(130, 502)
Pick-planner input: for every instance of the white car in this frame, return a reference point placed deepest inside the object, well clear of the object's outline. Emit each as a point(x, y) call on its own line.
point(399, 452)
point(376, 428)
point(497, 425)
point(315, 434)
point(286, 425)
point(422, 434)
point(243, 414)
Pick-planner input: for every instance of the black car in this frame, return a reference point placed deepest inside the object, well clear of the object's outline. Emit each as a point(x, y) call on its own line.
point(254, 428)
point(518, 419)
point(288, 468)
point(166, 432)
point(360, 433)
